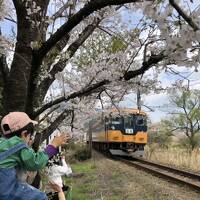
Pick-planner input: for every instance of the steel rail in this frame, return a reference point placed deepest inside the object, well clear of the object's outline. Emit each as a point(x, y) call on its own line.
point(175, 175)
point(170, 168)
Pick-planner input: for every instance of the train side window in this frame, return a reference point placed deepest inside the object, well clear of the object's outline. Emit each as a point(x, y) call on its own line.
point(114, 123)
point(116, 120)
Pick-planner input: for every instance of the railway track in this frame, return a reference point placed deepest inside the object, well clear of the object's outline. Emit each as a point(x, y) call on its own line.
point(189, 179)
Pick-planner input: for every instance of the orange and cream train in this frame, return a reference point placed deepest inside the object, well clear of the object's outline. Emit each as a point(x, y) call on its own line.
point(120, 133)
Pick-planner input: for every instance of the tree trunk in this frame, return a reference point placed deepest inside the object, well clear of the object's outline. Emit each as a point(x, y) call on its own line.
point(16, 90)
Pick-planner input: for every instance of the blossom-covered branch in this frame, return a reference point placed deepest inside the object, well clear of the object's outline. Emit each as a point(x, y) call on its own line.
point(83, 92)
point(65, 56)
point(183, 14)
point(89, 8)
point(96, 86)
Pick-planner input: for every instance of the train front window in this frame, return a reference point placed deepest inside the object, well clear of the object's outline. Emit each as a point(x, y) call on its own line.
point(141, 121)
point(128, 124)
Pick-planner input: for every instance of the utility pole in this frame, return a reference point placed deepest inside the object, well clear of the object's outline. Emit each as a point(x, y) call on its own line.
point(138, 99)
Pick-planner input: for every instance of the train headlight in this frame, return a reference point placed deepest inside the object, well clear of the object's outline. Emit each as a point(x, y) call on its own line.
point(112, 127)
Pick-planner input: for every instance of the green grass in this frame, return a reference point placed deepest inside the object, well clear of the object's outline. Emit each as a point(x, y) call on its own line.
point(82, 167)
point(84, 186)
point(80, 193)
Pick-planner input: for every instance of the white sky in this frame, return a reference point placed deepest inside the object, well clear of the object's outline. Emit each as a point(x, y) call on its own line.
point(159, 103)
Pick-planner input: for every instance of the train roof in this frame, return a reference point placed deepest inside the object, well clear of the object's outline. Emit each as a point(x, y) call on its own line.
point(127, 111)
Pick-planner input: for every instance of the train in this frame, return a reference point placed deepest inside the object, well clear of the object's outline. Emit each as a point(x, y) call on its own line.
point(121, 132)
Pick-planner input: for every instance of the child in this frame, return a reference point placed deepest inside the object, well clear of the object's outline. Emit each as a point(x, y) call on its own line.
point(18, 130)
point(57, 167)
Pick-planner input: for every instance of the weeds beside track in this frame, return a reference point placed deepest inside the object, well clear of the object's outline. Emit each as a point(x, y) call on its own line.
point(189, 179)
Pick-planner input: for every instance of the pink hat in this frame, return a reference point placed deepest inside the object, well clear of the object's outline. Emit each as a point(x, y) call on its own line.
point(15, 121)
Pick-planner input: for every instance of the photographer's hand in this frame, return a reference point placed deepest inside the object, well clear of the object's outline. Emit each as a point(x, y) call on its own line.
point(59, 140)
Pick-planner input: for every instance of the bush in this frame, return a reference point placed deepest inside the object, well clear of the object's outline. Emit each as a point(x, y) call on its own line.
point(82, 153)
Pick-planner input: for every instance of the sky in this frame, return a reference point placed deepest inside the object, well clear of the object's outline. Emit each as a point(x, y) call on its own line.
point(159, 103)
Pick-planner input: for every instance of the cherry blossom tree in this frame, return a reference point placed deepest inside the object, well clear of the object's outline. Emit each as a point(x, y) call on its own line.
point(95, 51)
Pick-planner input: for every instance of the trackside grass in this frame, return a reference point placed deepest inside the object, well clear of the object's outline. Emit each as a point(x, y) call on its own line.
point(101, 178)
point(175, 156)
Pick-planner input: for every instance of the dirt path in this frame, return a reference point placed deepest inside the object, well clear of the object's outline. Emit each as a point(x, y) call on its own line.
point(112, 180)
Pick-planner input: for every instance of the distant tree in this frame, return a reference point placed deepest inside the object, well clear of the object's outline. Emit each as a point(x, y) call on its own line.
point(185, 142)
point(161, 136)
point(186, 116)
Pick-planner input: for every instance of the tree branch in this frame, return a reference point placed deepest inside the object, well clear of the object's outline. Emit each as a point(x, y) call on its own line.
point(50, 59)
point(60, 11)
point(74, 46)
point(11, 20)
point(34, 97)
point(46, 115)
point(48, 131)
point(84, 92)
point(89, 8)
point(40, 137)
point(60, 65)
point(154, 59)
point(182, 13)
point(94, 87)
point(111, 98)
